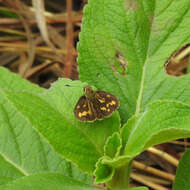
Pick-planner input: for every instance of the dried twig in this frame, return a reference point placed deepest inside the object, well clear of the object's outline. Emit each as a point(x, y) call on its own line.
point(164, 155)
point(69, 32)
point(145, 181)
point(153, 171)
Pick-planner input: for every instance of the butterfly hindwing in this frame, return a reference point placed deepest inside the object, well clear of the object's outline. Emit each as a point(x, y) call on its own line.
point(84, 110)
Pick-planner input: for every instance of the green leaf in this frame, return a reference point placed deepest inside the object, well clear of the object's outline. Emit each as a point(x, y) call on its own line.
point(113, 145)
point(137, 188)
point(46, 181)
point(51, 115)
point(145, 33)
point(116, 162)
point(12, 81)
point(22, 150)
point(182, 178)
point(162, 121)
point(103, 172)
point(8, 172)
point(126, 130)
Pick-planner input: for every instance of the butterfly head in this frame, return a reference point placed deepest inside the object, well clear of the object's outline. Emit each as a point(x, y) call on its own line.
point(89, 93)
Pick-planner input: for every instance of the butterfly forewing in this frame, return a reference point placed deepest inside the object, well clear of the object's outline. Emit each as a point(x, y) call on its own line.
point(106, 103)
point(84, 110)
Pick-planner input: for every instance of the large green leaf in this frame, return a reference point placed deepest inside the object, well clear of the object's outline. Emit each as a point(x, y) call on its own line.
point(145, 33)
point(46, 181)
point(22, 150)
point(12, 81)
point(162, 121)
point(51, 115)
point(182, 179)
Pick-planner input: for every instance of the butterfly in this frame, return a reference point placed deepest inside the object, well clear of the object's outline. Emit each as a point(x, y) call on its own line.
point(95, 105)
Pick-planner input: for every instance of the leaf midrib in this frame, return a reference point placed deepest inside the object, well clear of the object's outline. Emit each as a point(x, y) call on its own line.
point(140, 95)
point(24, 172)
point(139, 99)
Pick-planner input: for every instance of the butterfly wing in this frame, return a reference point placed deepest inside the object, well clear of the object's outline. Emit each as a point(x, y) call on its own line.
point(84, 110)
point(106, 104)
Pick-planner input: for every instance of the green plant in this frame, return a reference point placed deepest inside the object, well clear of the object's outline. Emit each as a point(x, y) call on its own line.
point(183, 172)
point(38, 129)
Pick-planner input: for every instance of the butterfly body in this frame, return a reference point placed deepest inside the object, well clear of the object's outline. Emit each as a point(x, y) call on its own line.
point(95, 105)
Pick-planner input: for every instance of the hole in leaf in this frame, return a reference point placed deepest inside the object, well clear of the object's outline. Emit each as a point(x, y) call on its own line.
point(132, 5)
point(98, 75)
point(68, 85)
point(120, 64)
point(179, 62)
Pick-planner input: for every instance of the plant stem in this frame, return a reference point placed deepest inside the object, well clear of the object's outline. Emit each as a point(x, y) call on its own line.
point(120, 180)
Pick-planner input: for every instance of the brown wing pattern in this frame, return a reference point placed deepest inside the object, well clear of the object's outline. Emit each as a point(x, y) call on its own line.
point(84, 110)
point(106, 104)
